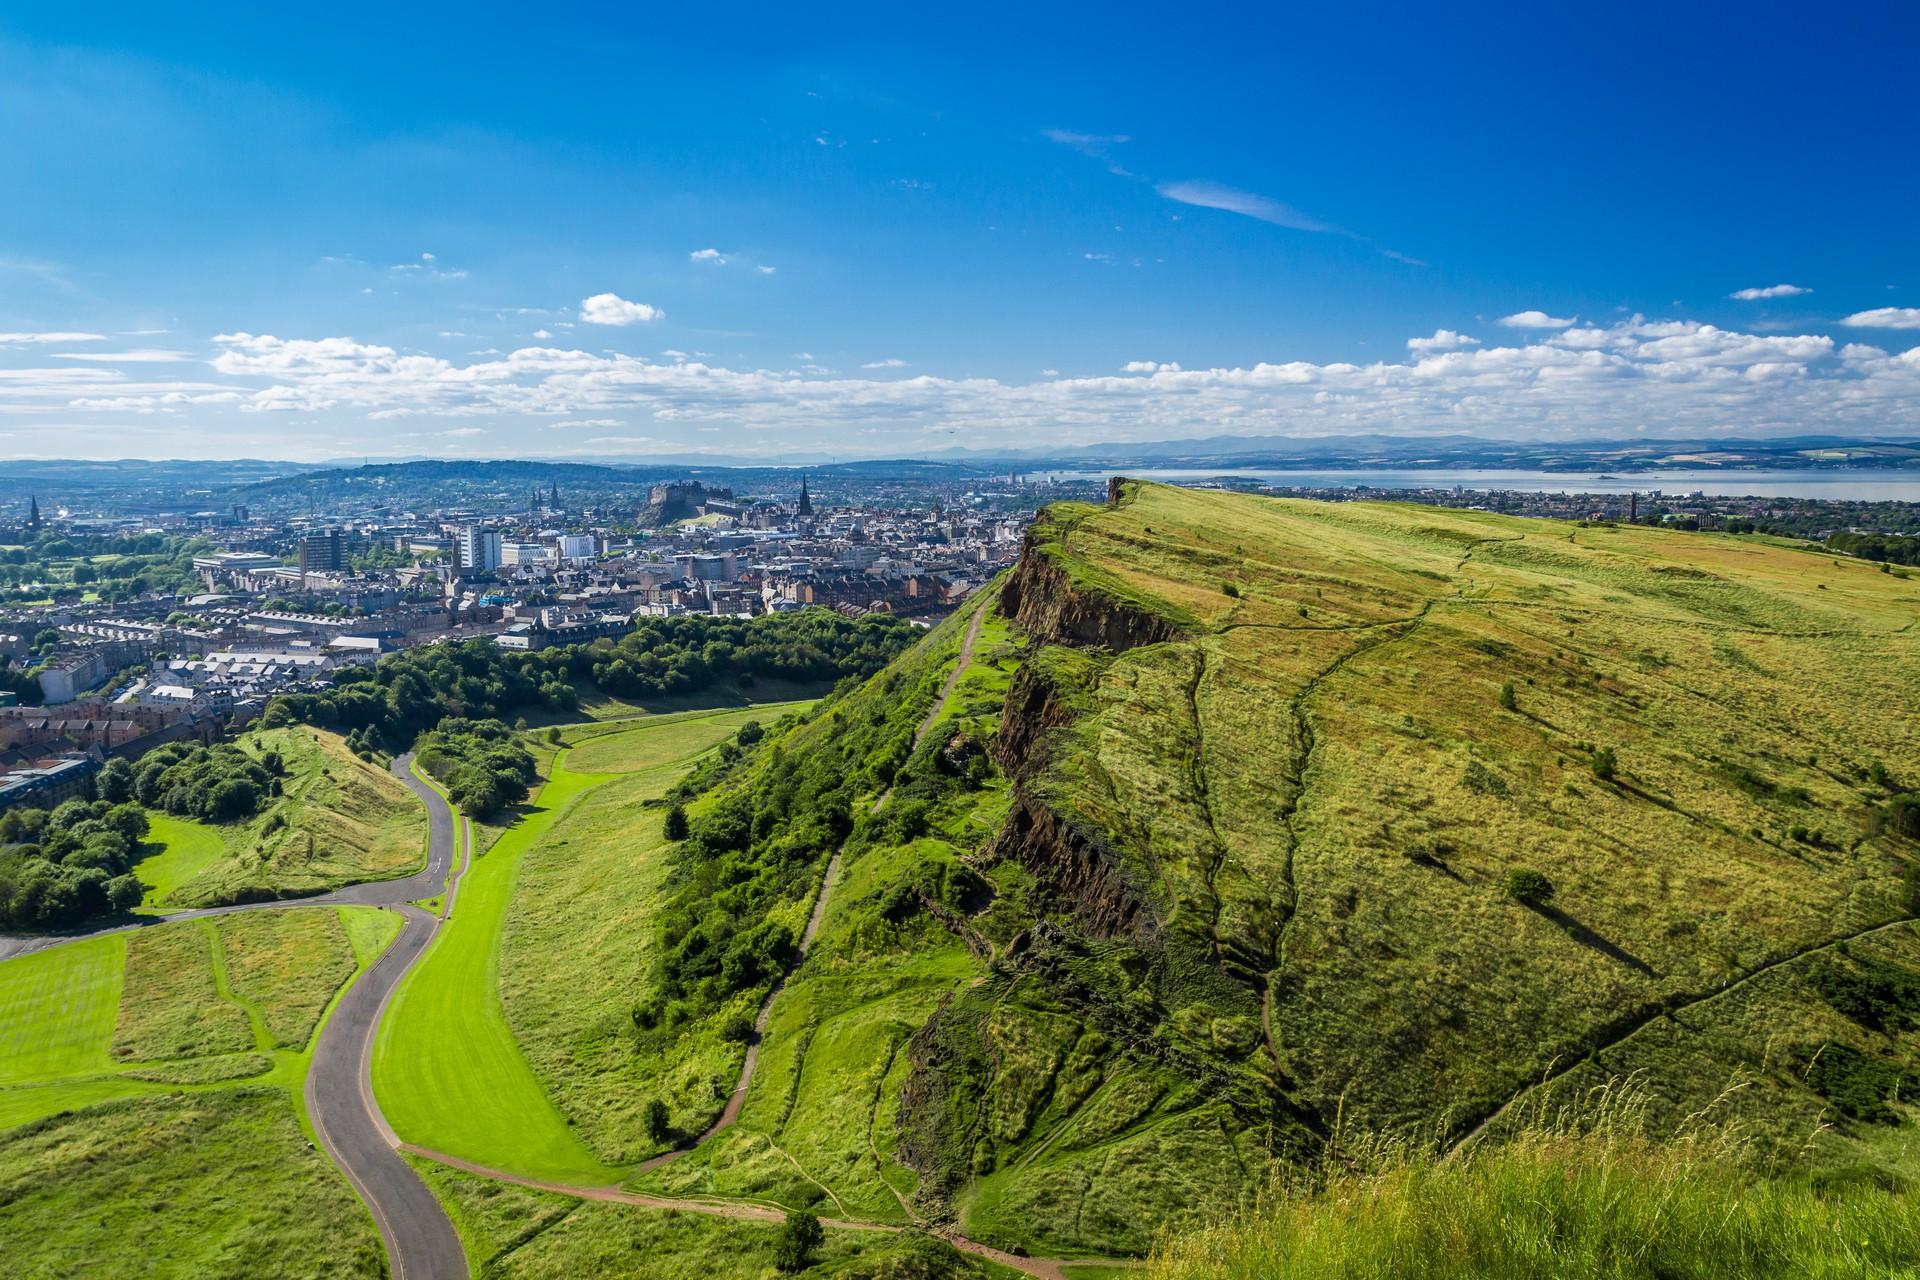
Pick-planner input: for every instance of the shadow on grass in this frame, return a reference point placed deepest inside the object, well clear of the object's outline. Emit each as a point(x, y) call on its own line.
point(1586, 937)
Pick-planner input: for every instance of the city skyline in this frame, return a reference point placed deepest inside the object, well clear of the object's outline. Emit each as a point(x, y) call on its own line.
point(576, 236)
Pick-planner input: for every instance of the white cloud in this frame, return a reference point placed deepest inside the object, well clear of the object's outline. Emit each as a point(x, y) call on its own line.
point(1536, 320)
point(1442, 340)
point(30, 339)
point(891, 363)
point(612, 309)
point(708, 255)
point(1635, 377)
point(765, 270)
point(1770, 291)
point(1878, 318)
point(461, 432)
point(1212, 195)
point(542, 334)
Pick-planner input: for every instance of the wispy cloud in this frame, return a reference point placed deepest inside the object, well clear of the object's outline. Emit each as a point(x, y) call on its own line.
point(1249, 204)
point(891, 363)
point(1885, 318)
point(34, 339)
point(1771, 291)
point(1212, 195)
point(612, 309)
point(1098, 146)
point(715, 258)
point(142, 356)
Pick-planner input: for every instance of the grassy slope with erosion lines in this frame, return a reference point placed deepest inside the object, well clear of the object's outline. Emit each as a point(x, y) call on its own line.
point(1256, 859)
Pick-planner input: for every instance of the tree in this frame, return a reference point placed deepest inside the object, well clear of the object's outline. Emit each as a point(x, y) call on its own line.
point(659, 1125)
point(799, 1238)
point(676, 825)
point(1507, 701)
point(115, 781)
point(1529, 886)
point(1604, 765)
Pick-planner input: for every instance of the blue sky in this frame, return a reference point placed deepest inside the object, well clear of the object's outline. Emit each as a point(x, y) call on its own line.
point(596, 230)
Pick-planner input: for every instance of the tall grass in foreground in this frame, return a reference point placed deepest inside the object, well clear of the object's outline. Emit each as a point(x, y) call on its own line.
point(1578, 1193)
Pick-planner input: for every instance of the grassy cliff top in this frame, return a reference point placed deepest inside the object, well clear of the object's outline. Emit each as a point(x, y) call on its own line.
point(1418, 808)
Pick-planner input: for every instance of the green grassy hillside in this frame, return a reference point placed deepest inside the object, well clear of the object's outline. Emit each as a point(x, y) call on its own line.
point(1294, 815)
point(340, 820)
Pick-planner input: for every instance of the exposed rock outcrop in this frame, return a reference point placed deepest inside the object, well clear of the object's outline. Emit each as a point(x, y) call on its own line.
point(1033, 707)
point(1078, 866)
point(1042, 600)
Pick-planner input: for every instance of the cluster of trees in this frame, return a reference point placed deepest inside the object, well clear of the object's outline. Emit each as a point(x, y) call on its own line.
point(408, 693)
point(218, 783)
point(662, 657)
point(62, 866)
point(481, 764)
point(1887, 548)
point(67, 565)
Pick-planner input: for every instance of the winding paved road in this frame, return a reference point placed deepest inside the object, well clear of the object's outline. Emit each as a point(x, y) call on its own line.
point(420, 1240)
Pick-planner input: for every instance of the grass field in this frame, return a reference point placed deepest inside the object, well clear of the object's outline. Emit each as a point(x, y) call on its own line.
point(215, 1183)
point(341, 820)
point(192, 1004)
point(151, 1082)
point(57, 1010)
point(446, 1070)
point(503, 1045)
point(181, 850)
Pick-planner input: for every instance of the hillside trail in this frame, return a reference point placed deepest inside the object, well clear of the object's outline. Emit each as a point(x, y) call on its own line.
point(1562, 1067)
point(737, 1098)
point(1040, 1268)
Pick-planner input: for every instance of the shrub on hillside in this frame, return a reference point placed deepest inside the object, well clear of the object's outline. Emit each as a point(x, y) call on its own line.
point(800, 1237)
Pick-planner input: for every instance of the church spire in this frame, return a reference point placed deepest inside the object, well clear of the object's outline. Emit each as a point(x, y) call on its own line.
point(33, 512)
point(806, 500)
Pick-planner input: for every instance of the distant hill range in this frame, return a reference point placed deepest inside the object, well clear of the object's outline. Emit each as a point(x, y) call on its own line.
point(176, 485)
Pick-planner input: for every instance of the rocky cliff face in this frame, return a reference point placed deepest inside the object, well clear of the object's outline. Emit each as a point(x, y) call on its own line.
point(1078, 868)
point(1043, 601)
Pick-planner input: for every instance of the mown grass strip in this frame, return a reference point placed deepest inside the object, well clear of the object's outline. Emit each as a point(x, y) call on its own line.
point(446, 1070)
